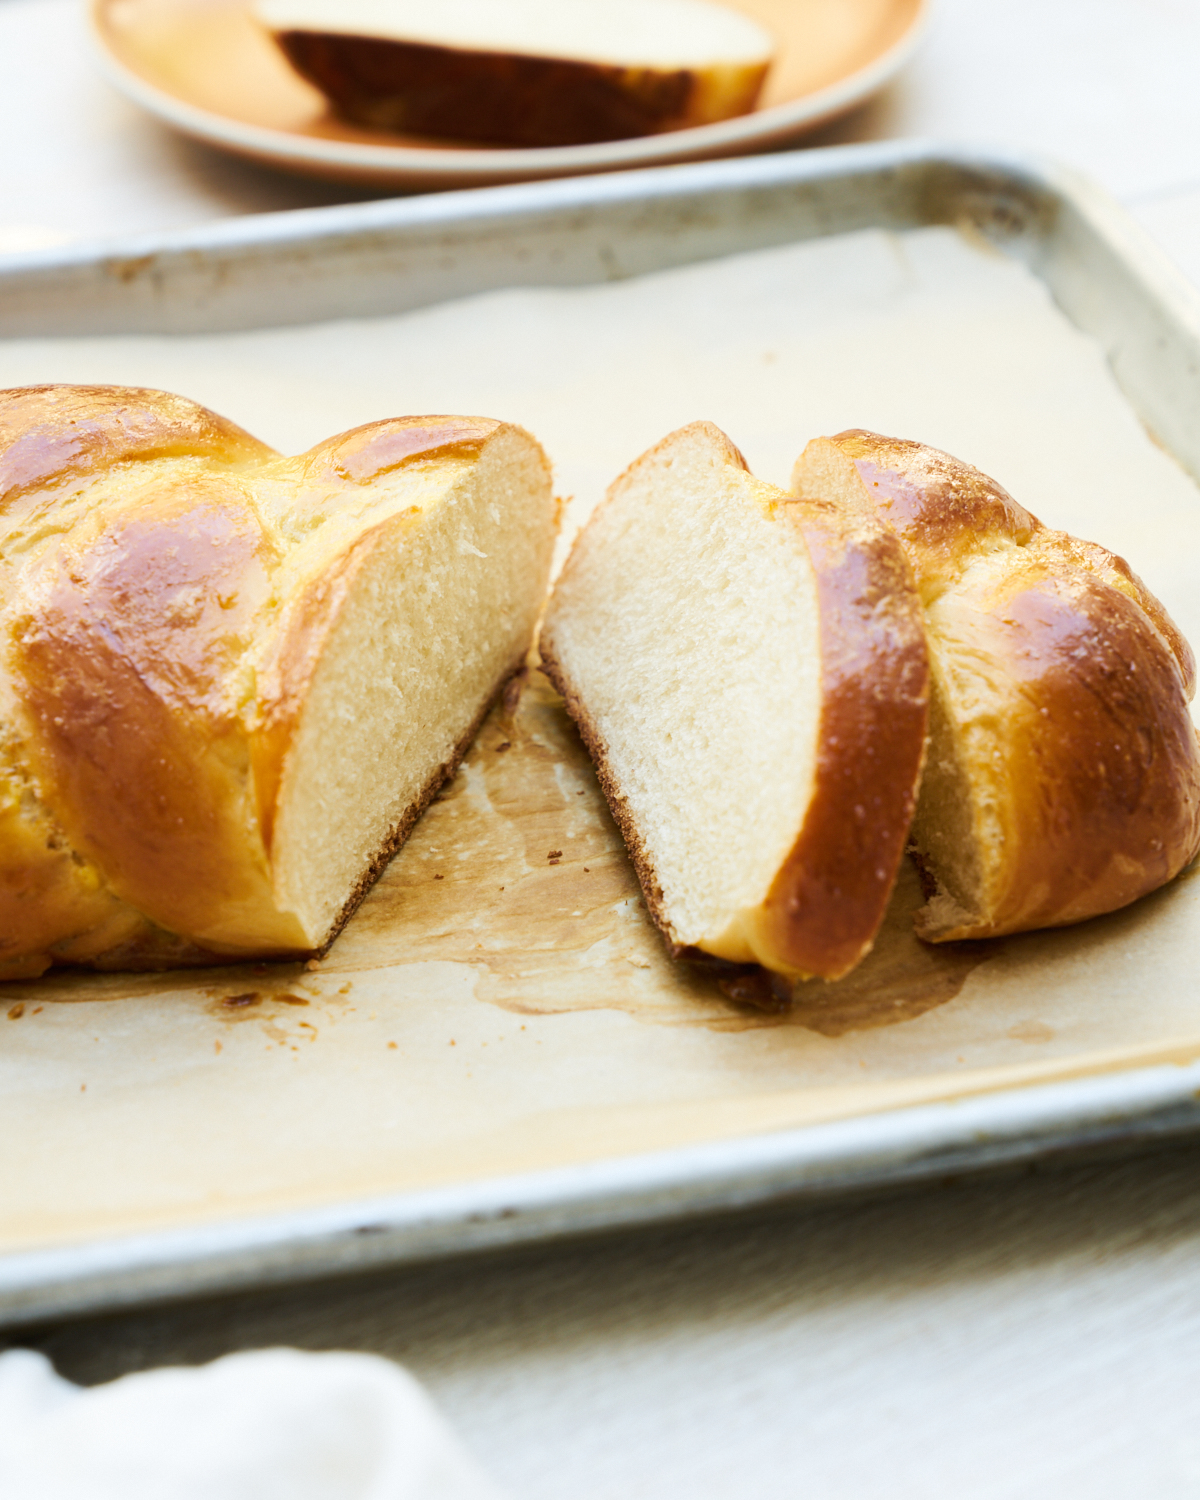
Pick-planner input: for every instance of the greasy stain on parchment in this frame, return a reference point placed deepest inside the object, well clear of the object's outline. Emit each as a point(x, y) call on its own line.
point(899, 980)
point(518, 869)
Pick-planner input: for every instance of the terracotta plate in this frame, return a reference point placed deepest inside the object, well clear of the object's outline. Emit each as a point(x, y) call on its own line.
point(206, 68)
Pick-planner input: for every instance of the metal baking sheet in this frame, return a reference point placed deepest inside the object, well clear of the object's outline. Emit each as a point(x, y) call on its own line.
point(507, 1054)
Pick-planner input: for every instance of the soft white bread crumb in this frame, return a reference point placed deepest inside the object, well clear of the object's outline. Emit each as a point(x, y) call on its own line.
point(439, 608)
point(691, 634)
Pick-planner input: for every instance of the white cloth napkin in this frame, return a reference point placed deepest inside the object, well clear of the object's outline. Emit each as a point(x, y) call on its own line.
point(276, 1424)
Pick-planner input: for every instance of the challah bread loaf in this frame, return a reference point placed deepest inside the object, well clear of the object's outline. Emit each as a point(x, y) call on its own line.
point(1063, 778)
point(749, 674)
point(230, 681)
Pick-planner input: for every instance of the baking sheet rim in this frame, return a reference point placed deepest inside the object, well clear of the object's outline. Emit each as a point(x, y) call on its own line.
point(1010, 1121)
point(970, 1131)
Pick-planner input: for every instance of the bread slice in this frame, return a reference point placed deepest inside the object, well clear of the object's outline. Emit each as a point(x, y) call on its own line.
point(230, 681)
point(1063, 777)
point(525, 72)
point(749, 673)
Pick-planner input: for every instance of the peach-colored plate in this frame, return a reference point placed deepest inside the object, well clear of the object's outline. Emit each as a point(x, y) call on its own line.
point(205, 67)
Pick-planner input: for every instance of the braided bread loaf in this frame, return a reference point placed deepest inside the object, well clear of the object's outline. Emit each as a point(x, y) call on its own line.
point(230, 681)
point(1063, 776)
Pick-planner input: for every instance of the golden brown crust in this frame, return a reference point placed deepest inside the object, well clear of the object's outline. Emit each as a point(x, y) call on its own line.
point(56, 443)
point(134, 760)
point(363, 454)
point(50, 897)
point(505, 99)
point(123, 655)
point(946, 512)
point(722, 445)
point(1073, 725)
point(50, 434)
point(825, 905)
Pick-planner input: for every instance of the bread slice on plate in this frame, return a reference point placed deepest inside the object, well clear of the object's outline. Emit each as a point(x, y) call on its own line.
point(230, 681)
point(1063, 777)
point(749, 673)
point(525, 72)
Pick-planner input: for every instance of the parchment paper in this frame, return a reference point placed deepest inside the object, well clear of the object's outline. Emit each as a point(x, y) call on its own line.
point(517, 1013)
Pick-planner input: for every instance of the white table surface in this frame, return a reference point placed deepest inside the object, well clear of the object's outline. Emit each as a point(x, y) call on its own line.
point(1032, 1336)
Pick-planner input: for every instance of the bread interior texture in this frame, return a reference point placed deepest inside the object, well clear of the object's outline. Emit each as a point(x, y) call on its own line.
point(959, 824)
point(433, 609)
point(687, 625)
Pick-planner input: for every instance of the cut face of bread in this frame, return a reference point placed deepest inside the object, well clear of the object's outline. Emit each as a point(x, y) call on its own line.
point(231, 681)
point(525, 72)
point(749, 673)
point(1063, 778)
point(388, 658)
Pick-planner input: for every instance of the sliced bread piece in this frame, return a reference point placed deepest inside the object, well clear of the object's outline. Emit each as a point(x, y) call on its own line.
point(749, 673)
point(525, 72)
point(230, 681)
point(1063, 777)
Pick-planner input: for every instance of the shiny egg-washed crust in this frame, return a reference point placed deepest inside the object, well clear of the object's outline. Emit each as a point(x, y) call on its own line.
point(825, 905)
point(51, 435)
point(826, 902)
point(134, 700)
point(1062, 686)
